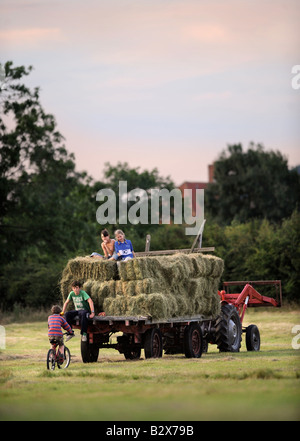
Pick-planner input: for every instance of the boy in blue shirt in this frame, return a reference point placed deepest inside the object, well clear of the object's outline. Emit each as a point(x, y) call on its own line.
point(123, 246)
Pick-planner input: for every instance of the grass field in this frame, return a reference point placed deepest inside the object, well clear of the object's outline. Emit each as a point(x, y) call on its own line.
point(262, 385)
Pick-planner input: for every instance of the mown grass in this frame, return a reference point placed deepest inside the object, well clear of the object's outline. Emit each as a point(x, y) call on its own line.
point(219, 386)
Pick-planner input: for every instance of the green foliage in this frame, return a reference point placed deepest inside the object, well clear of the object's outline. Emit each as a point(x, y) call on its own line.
point(163, 236)
point(48, 209)
point(43, 198)
point(252, 185)
point(260, 250)
point(135, 179)
point(32, 283)
point(46, 206)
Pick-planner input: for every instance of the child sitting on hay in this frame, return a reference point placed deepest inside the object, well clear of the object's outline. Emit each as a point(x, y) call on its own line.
point(123, 247)
point(107, 246)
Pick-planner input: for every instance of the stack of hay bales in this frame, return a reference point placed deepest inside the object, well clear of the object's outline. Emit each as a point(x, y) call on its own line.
point(160, 286)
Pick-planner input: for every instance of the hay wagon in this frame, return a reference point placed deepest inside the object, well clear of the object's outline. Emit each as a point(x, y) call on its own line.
point(187, 335)
point(180, 290)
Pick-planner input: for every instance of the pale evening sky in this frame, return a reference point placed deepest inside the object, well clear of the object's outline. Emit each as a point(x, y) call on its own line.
point(161, 83)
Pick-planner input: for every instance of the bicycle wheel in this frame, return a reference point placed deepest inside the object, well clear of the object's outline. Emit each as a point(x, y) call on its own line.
point(51, 360)
point(67, 359)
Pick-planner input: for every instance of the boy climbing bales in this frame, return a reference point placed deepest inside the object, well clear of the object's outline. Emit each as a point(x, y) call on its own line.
point(84, 308)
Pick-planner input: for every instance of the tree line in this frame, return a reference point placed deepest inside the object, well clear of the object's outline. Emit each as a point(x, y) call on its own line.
point(48, 209)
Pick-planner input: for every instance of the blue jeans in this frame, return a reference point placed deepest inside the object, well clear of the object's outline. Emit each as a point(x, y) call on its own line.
point(83, 319)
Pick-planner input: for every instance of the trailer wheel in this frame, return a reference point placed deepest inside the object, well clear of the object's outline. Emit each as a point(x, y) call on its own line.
point(126, 341)
point(228, 329)
point(193, 341)
point(133, 354)
point(89, 352)
point(252, 338)
point(153, 343)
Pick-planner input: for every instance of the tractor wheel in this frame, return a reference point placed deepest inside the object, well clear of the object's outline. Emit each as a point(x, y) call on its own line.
point(193, 341)
point(153, 345)
point(89, 352)
point(228, 329)
point(252, 338)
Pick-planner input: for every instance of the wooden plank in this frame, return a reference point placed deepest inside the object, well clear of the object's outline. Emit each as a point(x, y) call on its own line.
point(148, 320)
point(148, 240)
point(199, 236)
point(184, 251)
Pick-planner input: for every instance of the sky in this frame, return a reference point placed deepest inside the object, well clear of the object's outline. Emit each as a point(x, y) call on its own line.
point(164, 84)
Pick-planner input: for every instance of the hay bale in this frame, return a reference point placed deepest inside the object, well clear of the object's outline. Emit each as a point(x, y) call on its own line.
point(160, 305)
point(172, 267)
point(144, 297)
point(99, 291)
point(160, 286)
point(116, 305)
point(137, 269)
point(87, 268)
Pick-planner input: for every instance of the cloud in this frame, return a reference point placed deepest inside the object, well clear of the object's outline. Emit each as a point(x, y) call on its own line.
point(30, 37)
point(207, 33)
point(213, 96)
point(159, 79)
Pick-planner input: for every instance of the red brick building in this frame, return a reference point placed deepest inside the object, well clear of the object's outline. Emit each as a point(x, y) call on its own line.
point(197, 185)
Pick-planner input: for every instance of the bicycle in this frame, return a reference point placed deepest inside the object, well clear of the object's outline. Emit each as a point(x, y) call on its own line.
point(53, 356)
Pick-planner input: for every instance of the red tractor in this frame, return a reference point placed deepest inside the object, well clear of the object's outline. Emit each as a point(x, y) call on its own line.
point(229, 324)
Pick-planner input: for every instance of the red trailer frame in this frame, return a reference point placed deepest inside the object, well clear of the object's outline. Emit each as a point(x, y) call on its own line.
point(189, 335)
point(249, 297)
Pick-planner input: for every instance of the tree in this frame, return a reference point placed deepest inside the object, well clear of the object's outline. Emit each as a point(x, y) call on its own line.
point(38, 181)
point(46, 206)
point(255, 184)
point(135, 179)
point(259, 250)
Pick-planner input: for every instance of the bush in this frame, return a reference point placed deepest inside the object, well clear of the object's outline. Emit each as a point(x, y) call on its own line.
point(256, 250)
point(260, 250)
point(33, 284)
